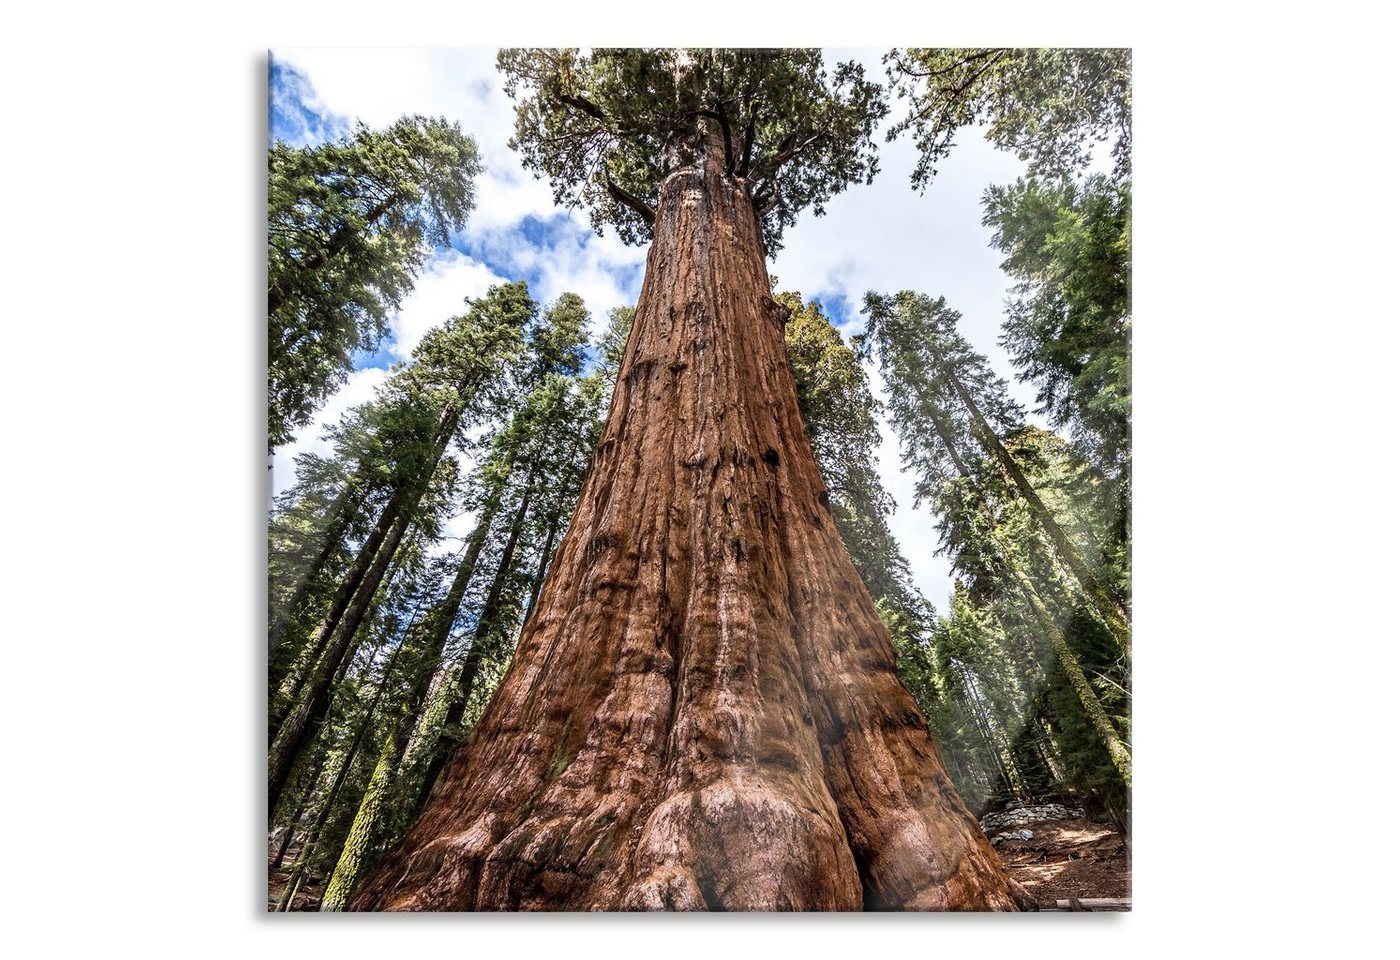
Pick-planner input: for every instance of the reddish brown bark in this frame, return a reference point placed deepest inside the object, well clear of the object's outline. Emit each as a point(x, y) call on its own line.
point(703, 710)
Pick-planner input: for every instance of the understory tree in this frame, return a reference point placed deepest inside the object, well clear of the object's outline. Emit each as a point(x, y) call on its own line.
point(457, 376)
point(1020, 516)
point(438, 627)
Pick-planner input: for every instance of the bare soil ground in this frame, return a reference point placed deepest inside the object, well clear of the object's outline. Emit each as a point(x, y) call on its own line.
point(1069, 858)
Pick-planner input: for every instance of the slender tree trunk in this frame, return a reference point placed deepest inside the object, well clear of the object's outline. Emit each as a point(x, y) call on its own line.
point(704, 710)
point(315, 694)
point(364, 831)
point(364, 827)
point(546, 550)
point(313, 839)
point(1112, 612)
point(1098, 718)
point(300, 810)
point(1048, 751)
point(1117, 750)
point(984, 729)
point(342, 514)
point(369, 558)
point(487, 620)
point(294, 712)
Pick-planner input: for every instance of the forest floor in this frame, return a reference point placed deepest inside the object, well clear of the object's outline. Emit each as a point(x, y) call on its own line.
point(309, 894)
point(1064, 858)
point(1069, 858)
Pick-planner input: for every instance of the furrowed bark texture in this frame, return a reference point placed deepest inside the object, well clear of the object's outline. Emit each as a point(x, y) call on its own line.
point(703, 710)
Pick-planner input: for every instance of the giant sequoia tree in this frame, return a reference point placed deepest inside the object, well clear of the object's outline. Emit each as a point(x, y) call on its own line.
point(703, 710)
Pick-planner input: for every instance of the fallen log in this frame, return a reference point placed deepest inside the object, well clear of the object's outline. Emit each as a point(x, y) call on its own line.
point(1091, 905)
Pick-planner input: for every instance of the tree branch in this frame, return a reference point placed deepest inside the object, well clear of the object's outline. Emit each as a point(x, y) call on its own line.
point(749, 89)
point(787, 151)
point(970, 58)
point(764, 201)
point(634, 203)
point(748, 148)
point(585, 106)
point(718, 115)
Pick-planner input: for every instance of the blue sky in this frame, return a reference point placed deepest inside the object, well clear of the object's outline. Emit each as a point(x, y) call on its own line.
point(883, 236)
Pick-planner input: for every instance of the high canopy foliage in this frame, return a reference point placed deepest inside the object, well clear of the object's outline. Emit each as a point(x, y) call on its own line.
point(1046, 105)
point(919, 344)
point(350, 224)
point(606, 126)
point(1069, 246)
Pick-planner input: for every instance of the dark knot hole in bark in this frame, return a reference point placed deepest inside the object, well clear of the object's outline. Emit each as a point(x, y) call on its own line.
point(598, 546)
point(770, 457)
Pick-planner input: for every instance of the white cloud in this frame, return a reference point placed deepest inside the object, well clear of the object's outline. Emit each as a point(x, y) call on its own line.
point(447, 279)
point(571, 258)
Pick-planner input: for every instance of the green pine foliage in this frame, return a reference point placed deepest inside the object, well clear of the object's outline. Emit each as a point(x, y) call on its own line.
point(1068, 322)
point(350, 224)
point(1048, 106)
point(607, 126)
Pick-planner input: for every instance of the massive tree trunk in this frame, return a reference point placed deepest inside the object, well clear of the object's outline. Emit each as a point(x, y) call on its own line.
point(703, 710)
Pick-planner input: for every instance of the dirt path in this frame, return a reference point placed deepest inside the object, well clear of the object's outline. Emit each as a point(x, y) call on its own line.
point(1069, 858)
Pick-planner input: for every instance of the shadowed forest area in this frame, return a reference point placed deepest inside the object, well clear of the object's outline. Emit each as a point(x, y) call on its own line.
point(678, 659)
